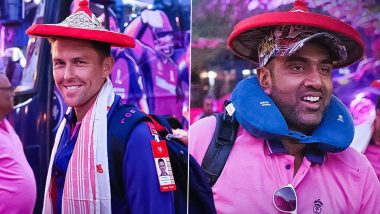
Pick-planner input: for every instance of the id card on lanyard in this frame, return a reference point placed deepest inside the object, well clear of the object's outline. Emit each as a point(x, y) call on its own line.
point(162, 162)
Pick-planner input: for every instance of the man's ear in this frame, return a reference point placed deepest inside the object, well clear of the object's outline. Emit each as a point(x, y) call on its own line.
point(265, 80)
point(107, 66)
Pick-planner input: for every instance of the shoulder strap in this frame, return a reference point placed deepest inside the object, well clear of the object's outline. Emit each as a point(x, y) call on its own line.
point(161, 125)
point(220, 146)
point(121, 124)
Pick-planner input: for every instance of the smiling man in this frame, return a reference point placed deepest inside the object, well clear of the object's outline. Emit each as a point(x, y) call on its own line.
point(307, 88)
point(80, 68)
point(82, 176)
point(291, 152)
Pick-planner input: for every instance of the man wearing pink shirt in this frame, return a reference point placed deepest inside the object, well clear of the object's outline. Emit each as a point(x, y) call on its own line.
point(265, 173)
point(373, 150)
point(17, 183)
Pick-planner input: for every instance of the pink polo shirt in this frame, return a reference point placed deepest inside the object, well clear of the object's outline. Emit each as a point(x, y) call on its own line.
point(344, 183)
point(17, 182)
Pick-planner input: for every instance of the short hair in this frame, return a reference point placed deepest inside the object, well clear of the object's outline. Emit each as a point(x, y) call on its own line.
point(209, 97)
point(104, 49)
point(160, 160)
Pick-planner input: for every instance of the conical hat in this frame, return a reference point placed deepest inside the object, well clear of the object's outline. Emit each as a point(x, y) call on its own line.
point(248, 34)
point(82, 24)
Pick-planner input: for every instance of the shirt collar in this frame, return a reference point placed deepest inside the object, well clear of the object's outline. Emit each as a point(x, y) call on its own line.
point(71, 118)
point(3, 125)
point(312, 153)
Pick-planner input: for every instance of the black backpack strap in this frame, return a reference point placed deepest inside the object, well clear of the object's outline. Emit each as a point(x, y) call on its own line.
point(121, 124)
point(220, 146)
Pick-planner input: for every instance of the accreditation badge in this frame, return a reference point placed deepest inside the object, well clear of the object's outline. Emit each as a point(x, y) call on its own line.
point(163, 166)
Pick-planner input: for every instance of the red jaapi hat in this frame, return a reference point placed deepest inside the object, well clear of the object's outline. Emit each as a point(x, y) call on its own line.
point(263, 36)
point(82, 24)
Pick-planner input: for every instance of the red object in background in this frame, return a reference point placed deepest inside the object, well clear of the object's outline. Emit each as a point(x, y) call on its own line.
point(194, 112)
point(375, 84)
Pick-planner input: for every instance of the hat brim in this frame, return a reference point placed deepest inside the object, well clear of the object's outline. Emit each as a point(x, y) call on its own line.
point(113, 38)
point(249, 33)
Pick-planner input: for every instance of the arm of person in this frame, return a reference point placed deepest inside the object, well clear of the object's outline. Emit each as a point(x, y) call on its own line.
point(140, 176)
point(17, 75)
point(371, 193)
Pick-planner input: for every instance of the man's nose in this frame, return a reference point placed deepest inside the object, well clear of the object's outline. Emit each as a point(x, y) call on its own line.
point(314, 79)
point(69, 72)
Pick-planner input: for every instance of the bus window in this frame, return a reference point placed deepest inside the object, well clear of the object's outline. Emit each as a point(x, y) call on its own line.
point(19, 53)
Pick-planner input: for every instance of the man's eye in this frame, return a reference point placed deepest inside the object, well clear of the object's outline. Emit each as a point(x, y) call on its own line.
point(58, 64)
point(297, 67)
point(326, 70)
point(80, 62)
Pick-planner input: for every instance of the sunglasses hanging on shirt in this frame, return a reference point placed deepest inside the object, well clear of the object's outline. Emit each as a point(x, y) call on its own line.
point(285, 199)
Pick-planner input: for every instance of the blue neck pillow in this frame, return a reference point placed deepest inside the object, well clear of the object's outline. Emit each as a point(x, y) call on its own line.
point(259, 115)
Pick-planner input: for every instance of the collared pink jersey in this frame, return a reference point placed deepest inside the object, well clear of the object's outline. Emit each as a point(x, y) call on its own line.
point(17, 183)
point(344, 183)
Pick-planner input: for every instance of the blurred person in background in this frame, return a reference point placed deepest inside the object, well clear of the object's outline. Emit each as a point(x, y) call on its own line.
point(373, 150)
point(208, 107)
point(153, 55)
point(17, 182)
point(363, 111)
point(15, 65)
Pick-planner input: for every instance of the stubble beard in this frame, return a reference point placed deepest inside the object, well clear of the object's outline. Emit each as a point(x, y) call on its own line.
point(293, 118)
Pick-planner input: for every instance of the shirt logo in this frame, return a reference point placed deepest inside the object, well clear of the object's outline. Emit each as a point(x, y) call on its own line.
point(317, 206)
point(159, 149)
point(99, 168)
point(265, 103)
point(340, 118)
